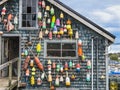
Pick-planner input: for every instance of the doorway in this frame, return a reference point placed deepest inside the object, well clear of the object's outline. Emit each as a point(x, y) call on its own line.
point(10, 50)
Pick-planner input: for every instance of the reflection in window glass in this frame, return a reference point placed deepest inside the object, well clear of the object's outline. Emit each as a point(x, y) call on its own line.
point(34, 17)
point(61, 49)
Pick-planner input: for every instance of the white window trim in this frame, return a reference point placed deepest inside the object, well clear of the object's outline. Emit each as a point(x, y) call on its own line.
point(20, 17)
point(54, 41)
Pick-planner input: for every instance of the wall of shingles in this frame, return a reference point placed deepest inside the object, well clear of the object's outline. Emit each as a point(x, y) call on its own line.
point(85, 34)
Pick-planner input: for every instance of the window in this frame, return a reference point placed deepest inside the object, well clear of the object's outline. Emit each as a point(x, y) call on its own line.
point(60, 49)
point(28, 13)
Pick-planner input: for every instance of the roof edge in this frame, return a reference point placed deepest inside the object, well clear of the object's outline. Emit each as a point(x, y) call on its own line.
point(83, 19)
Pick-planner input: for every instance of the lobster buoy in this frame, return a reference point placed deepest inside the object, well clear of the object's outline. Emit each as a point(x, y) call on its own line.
point(52, 87)
point(39, 64)
point(40, 34)
point(67, 80)
point(57, 81)
point(49, 78)
point(43, 4)
point(66, 66)
point(76, 35)
point(33, 71)
point(27, 72)
point(79, 42)
point(43, 76)
point(61, 78)
point(45, 14)
point(70, 64)
point(32, 80)
point(80, 52)
point(39, 15)
point(25, 52)
point(77, 67)
point(46, 31)
point(88, 77)
point(65, 29)
point(38, 48)
point(88, 64)
point(25, 65)
point(39, 81)
point(47, 8)
point(68, 27)
point(52, 11)
point(53, 19)
point(83, 57)
point(73, 77)
point(61, 31)
point(55, 30)
point(48, 20)
point(73, 65)
point(44, 24)
point(58, 67)
point(61, 68)
point(49, 62)
point(50, 35)
point(40, 3)
point(57, 22)
point(68, 22)
point(52, 24)
point(49, 67)
point(61, 15)
point(53, 65)
point(31, 63)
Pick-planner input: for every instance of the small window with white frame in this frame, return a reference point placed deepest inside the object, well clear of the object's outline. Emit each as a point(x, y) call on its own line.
point(28, 14)
point(60, 49)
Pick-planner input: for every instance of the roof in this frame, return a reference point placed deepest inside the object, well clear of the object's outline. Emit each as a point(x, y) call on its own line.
point(2, 1)
point(83, 20)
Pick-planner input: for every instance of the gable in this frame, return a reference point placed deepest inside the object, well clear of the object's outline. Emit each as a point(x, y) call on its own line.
point(83, 20)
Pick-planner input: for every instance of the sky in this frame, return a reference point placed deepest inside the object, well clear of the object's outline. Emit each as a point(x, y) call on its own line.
point(105, 13)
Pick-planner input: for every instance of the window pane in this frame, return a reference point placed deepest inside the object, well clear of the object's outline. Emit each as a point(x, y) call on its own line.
point(68, 46)
point(24, 17)
point(23, 3)
point(24, 10)
point(29, 17)
point(29, 3)
point(33, 23)
point(33, 10)
point(53, 54)
point(23, 23)
point(68, 53)
point(33, 3)
point(29, 24)
point(53, 45)
point(34, 17)
point(28, 9)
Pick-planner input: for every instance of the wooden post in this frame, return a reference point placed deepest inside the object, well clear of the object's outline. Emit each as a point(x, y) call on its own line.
point(0, 53)
point(10, 73)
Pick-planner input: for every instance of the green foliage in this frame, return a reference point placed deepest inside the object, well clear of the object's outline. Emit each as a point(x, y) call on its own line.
point(113, 56)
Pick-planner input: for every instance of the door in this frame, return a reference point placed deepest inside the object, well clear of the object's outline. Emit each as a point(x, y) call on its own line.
point(10, 50)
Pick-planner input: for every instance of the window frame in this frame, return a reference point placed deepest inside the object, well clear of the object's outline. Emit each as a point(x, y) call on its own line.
point(60, 41)
point(20, 17)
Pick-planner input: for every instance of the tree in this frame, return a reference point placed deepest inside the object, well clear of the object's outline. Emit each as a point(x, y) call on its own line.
point(113, 56)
